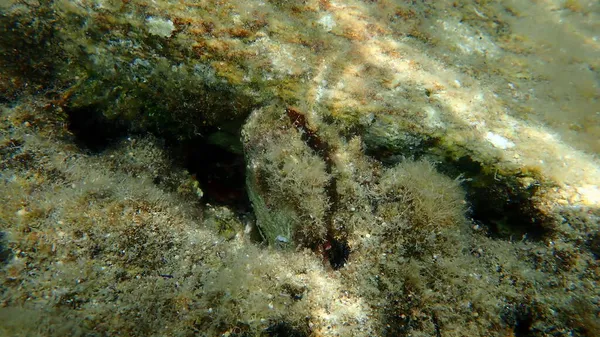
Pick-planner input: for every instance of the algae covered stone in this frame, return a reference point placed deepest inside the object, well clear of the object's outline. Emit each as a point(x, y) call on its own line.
point(286, 180)
point(423, 163)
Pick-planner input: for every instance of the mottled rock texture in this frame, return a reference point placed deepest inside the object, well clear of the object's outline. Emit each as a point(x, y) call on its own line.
point(299, 168)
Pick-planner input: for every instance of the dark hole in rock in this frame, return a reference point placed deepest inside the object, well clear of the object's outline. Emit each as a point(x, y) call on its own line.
point(92, 130)
point(594, 244)
point(393, 151)
point(337, 252)
point(5, 252)
point(219, 167)
point(507, 212)
point(500, 204)
point(523, 324)
point(6, 99)
point(285, 329)
point(519, 317)
point(215, 157)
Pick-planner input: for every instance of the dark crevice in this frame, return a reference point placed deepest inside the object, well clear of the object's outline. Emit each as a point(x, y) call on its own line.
point(285, 329)
point(5, 252)
point(219, 168)
point(414, 147)
point(335, 247)
point(501, 204)
point(523, 325)
point(214, 157)
point(337, 252)
point(436, 324)
point(310, 135)
point(594, 244)
point(520, 318)
point(7, 99)
point(92, 130)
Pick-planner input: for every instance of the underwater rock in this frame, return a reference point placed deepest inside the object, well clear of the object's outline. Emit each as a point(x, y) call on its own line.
point(429, 168)
point(286, 181)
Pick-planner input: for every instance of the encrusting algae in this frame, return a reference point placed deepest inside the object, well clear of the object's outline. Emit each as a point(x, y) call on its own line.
point(313, 168)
